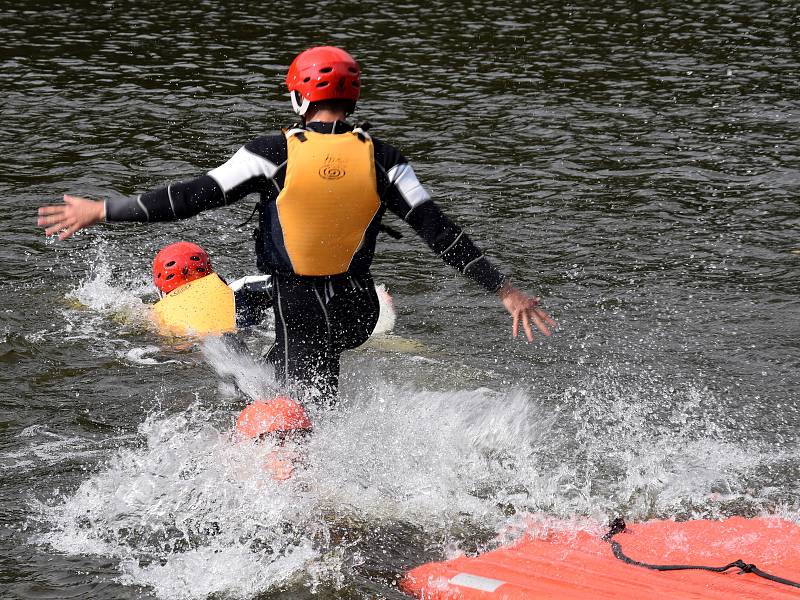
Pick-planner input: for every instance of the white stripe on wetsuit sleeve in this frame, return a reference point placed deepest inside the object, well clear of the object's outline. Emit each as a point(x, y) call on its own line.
point(458, 237)
point(171, 204)
point(472, 262)
point(142, 206)
point(242, 166)
point(403, 178)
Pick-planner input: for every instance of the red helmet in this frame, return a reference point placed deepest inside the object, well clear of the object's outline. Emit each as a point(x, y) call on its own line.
point(179, 263)
point(281, 415)
point(323, 73)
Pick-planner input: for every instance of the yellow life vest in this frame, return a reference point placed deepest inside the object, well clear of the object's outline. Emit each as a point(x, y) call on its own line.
point(329, 198)
point(201, 307)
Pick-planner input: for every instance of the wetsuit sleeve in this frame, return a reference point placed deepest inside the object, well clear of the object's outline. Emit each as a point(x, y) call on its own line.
point(455, 248)
point(246, 172)
point(176, 201)
point(405, 196)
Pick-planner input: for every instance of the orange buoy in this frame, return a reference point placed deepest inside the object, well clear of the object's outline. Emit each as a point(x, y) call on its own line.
point(280, 415)
point(578, 565)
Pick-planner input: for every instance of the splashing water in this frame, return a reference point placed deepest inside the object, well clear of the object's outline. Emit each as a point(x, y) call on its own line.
point(191, 511)
point(102, 292)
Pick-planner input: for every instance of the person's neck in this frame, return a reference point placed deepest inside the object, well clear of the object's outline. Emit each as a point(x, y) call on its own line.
point(326, 116)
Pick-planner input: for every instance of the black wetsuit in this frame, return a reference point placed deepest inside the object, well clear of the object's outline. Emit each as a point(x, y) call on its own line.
point(316, 318)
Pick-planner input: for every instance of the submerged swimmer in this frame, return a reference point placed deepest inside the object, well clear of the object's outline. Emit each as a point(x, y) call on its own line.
point(195, 300)
point(286, 423)
point(324, 185)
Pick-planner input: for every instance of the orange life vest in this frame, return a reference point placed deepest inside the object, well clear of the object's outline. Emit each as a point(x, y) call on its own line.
point(329, 198)
point(205, 306)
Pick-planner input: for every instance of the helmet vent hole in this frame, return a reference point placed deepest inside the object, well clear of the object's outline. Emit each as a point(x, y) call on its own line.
point(307, 79)
point(326, 70)
point(201, 269)
point(352, 69)
point(170, 264)
point(322, 84)
point(170, 276)
point(195, 257)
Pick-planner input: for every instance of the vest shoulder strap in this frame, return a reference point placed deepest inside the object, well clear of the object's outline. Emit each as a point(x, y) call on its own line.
point(300, 133)
point(362, 134)
point(296, 131)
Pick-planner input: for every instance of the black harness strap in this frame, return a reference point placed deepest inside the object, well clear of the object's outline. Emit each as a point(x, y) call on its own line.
point(390, 231)
point(618, 526)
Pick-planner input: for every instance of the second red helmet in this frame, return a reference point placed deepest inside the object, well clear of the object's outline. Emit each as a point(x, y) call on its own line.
point(280, 415)
point(323, 73)
point(179, 263)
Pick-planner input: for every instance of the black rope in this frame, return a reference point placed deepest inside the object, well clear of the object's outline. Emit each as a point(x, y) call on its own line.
point(252, 214)
point(618, 526)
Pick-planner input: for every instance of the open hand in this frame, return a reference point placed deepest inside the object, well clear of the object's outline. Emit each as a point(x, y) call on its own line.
point(75, 214)
point(524, 308)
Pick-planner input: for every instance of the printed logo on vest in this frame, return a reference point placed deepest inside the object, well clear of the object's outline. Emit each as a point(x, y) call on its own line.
point(332, 169)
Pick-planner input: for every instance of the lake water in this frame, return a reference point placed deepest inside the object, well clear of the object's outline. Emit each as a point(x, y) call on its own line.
point(636, 165)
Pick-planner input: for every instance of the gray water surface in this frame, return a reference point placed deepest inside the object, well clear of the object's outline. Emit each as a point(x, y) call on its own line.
point(636, 165)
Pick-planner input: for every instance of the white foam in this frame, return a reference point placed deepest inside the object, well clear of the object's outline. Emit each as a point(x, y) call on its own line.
point(191, 513)
point(237, 571)
point(144, 356)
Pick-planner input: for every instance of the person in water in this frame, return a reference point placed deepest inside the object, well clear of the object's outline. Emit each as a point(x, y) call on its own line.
point(324, 185)
point(179, 264)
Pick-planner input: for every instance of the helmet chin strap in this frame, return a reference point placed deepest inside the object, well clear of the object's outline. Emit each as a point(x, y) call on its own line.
point(299, 107)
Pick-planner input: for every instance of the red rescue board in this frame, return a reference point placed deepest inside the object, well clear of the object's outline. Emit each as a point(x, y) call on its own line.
point(579, 565)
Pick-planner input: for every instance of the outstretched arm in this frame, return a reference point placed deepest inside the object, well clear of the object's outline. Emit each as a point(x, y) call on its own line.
point(455, 247)
point(243, 174)
point(406, 197)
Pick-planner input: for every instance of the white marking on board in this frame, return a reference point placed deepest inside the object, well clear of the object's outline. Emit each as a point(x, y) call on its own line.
point(476, 582)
